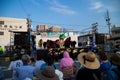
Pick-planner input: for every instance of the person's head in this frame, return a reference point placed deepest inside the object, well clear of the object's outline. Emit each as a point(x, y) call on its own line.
point(40, 56)
point(25, 59)
point(66, 54)
point(48, 59)
point(115, 59)
point(17, 56)
point(47, 74)
point(103, 56)
point(89, 60)
point(32, 61)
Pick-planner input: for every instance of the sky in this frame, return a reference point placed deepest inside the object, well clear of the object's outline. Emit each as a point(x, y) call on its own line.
point(78, 15)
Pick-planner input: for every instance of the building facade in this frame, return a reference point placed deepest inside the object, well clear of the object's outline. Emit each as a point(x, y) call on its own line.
point(55, 29)
point(7, 28)
point(115, 36)
point(47, 28)
point(42, 28)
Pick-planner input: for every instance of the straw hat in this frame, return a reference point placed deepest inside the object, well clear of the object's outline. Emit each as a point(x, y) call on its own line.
point(89, 60)
point(115, 59)
point(47, 74)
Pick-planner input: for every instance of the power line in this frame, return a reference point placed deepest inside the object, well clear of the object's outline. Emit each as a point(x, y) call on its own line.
point(83, 30)
point(24, 10)
point(47, 23)
point(75, 25)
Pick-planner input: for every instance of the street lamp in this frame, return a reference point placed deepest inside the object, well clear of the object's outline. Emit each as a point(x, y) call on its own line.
point(94, 30)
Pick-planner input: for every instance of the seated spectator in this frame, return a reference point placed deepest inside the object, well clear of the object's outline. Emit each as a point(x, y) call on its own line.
point(90, 69)
point(59, 73)
point(1, 74)
point(48, 73)
point(39, 61)
point(14, 64)
point(1, 50)
point(48, 62)
point(25, 71)
point(104, 66)
point(32, 62)
point(105, 63)
point(11, 64)
point(115, 69)
point(66, 65)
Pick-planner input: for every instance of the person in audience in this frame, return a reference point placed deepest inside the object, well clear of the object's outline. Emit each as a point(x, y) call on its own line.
point(11, 63)
point(39, 61)
point(32, 61)
point(48, 73)
point(59, 73)
point(114, 72)
point(1, 74)
point(104, 62)
point(48, 62)
point(104, 65)
point(15, 61)
point(14, 64)
point(25, 71)
point(1, 50)
point(115, 68)
point(90, 68)
point(66, 65)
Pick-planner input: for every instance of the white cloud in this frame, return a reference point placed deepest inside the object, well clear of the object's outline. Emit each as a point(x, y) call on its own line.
point(62, 10)
point(55, 6)
point(97, 5)
point(100, 7)
point(56, 3)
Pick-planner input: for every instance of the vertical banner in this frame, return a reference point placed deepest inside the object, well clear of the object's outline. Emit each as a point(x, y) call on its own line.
point(93, 43)
point(32, 45)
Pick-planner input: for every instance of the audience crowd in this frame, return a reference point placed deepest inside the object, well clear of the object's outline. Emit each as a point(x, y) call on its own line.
point(92, 67)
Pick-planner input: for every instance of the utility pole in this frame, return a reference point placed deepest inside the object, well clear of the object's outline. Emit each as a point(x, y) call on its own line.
point(108, 21)
point(29, 23)
point(29, 32)
point(109, 24)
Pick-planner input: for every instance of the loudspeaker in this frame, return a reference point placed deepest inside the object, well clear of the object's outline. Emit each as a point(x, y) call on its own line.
point(21, 39)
